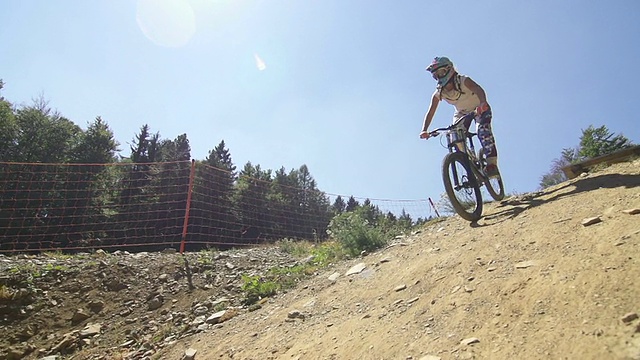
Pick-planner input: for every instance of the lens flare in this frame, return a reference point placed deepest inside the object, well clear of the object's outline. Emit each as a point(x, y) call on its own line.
point(169, 23)
point(259, 62)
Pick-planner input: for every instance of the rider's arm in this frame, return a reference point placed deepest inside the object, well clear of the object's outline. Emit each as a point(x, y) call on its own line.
point(428, 117)
point(476, 89)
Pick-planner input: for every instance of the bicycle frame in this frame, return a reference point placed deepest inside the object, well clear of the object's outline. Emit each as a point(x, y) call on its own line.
point(459, 139)
point(463, 182)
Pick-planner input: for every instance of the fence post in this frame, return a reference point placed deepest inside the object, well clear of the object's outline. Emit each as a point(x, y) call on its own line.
point(188, 207)
point(434, 207)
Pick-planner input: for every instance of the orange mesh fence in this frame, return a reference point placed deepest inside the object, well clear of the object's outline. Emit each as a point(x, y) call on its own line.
point(153, 206)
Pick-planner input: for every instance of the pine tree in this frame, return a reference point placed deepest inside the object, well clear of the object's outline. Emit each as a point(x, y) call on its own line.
point(220, 158)
point(405, 221)
point(136, 186)
point(352, 204)
point(91, 184)
point(222, 177)
point(252, 201)
point(313, 208)
point(281, 198)
point(213, 208)
point(596, 142)
point(169, 185)
point(338, 206)
point(41, 136)
point(97, 144)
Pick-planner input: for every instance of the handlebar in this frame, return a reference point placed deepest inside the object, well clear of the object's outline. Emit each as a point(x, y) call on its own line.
point(437, 131)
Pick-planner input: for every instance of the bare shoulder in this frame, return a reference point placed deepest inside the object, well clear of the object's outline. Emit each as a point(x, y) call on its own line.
point(469, 80)
point(470, 83)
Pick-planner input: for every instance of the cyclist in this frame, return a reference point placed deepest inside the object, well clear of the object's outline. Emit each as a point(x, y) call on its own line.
point(466, 96)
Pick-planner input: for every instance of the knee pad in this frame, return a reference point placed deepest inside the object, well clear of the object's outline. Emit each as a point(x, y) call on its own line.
point(486, 139)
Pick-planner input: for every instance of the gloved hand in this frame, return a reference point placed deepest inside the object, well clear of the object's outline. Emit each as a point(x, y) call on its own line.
point(482, 108)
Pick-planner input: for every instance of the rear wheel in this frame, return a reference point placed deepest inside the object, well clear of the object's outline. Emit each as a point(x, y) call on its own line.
point(461, 186)
point(495, 186)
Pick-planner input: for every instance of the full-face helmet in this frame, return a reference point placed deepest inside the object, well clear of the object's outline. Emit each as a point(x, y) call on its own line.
point(442, 70)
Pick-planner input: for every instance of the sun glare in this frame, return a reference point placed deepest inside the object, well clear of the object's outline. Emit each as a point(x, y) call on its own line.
point(169, 23)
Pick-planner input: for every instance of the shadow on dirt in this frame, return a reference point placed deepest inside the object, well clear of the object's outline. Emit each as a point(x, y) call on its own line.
point(512, 207)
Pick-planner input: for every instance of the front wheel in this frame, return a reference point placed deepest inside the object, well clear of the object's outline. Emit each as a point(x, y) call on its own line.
point(461, 186)
point(495, 186)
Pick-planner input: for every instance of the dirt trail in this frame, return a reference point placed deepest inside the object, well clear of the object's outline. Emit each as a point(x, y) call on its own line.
point(528, 281)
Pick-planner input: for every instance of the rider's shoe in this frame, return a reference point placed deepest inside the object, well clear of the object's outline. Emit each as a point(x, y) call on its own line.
point(491, 170)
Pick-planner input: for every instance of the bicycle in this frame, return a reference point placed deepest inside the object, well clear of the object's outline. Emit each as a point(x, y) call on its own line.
point(463, 171)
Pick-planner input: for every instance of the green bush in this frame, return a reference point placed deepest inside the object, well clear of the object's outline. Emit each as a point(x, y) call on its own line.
point(355, 233)
point(327, 252)
point(256, 289)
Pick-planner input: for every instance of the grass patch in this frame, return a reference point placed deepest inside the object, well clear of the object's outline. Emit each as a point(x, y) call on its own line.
point(288, 277)
point(27, 272)
point(59, 255)
point(298, 249)
point(221, 306)
point(53, 268)
point(319, 255)
point(315, 257)
point(206, 257)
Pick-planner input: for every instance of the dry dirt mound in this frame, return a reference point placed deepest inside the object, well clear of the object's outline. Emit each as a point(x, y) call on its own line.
point(531, 280)
point(123, 305)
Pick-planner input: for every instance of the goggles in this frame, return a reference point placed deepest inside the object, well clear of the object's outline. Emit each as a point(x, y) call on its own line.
point(440, 73)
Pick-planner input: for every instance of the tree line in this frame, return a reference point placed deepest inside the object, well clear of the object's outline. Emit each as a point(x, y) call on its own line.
point(144, 195)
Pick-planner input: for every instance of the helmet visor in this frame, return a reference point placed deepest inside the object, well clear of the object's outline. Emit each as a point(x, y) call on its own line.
point(440, 73)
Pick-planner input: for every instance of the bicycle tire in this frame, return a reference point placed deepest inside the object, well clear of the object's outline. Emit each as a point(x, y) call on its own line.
point(495, 185)
point(465, 197)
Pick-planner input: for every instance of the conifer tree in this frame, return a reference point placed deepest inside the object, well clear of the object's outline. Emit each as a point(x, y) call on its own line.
point(600, 141)
point(213, 195)
point(352, 204)
point(338, 206)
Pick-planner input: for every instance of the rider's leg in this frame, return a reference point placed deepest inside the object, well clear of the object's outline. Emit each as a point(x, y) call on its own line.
point(485, 134)
point(467, 123)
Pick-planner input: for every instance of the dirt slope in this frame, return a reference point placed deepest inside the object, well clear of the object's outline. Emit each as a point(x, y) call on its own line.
point(528, 281)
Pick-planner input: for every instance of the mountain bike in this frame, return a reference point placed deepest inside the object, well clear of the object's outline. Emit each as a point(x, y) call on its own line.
point(463, 171)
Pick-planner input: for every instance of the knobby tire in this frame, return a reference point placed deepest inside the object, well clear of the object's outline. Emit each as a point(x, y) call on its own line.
point(470, 207)
point(494, 185)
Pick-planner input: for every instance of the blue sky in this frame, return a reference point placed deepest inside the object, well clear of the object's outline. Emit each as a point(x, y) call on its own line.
point(338, 85)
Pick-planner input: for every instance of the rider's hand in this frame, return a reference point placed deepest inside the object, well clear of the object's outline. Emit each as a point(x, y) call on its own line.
point(424, 135)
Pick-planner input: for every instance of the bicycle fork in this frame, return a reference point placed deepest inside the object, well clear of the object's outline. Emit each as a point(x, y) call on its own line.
point(460, 183)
